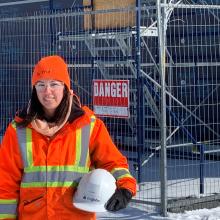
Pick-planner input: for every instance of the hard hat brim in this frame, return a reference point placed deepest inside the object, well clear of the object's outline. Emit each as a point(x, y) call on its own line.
point(88, 207)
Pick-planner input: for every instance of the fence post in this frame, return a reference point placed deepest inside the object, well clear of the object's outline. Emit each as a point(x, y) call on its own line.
point(140, 103)
point(201, 153)
point(161, 25)
point(51, 4)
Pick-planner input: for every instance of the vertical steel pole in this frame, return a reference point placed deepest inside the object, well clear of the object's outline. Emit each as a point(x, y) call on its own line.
point(161, 25)
point(140, 102)
point(50, 25)
point(201, 169)
point(201, 151)
point(51, 4)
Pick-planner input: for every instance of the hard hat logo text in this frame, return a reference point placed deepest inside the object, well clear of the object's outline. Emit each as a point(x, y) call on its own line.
point(91, 199)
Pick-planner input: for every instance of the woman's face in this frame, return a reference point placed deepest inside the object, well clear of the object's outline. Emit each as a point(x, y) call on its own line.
point(50, 94)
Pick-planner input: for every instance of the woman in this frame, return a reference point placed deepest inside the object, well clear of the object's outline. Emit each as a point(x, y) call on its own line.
point(49, 146)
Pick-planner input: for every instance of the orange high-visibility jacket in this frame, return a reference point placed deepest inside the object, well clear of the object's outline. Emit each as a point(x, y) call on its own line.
point(38, 176)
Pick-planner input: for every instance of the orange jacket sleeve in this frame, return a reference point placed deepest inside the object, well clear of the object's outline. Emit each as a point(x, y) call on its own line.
point(104, 154)
point(10, 174)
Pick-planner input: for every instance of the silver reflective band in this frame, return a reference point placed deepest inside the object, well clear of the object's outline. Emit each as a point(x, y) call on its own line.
point(120, 173)
point(52, 176)
point(21, 134)
point(8, 209)
point(85, 145)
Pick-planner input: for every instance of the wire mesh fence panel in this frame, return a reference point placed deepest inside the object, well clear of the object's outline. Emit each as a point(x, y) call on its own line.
point(193, 102)
point(96, 45)
point(192, 106)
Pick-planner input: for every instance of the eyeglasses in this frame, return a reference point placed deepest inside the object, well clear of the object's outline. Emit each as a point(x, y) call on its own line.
point(54, 85)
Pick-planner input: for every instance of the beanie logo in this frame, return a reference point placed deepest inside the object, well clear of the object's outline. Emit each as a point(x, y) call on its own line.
point(44, 72)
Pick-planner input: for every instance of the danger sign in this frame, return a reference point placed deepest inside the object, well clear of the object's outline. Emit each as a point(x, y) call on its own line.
point(111, 98)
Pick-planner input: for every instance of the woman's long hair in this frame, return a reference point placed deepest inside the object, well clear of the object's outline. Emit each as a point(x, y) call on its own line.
point(35, 109)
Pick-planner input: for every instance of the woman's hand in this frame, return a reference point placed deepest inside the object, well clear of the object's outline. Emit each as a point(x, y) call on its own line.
point(119, 200)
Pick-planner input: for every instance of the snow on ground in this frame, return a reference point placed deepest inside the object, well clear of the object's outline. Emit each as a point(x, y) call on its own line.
point(146, 212)
point(132, 213)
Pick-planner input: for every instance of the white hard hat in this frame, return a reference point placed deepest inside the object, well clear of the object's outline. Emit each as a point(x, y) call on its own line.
point(94, 190)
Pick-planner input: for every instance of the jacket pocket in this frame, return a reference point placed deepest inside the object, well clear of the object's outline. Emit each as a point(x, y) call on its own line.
point(34, 208)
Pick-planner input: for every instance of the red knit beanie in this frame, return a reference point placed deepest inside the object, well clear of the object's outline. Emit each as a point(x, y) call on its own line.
point(51, 67)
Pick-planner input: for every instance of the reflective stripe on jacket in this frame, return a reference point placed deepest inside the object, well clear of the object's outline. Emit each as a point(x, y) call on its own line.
point(55, 176)
point(8, 208)
point(41, 175)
